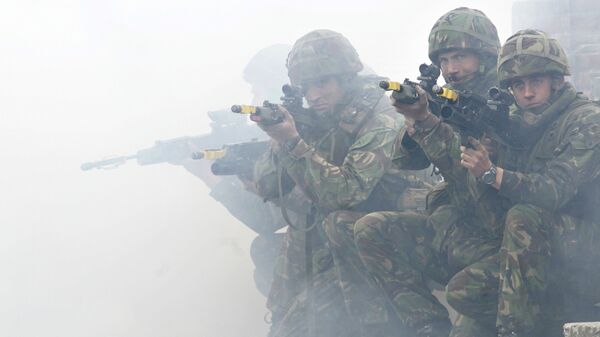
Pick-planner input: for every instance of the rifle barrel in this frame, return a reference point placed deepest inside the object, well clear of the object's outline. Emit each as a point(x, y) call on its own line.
point(114, 161)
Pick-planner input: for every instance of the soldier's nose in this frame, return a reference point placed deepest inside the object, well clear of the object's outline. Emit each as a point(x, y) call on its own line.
point(453, 68)
point(528, 91)
point(312, 95)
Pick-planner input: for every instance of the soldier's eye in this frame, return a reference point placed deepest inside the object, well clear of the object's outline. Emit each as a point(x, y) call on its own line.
point(537, 81)
point(321, 83)
point(517, 85)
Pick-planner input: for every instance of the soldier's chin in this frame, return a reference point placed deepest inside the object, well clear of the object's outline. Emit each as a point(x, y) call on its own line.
point(533, 105)
point(320, 108)
point(457, 80)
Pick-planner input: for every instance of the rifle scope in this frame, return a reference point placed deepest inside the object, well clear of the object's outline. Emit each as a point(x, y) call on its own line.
point(429, 70)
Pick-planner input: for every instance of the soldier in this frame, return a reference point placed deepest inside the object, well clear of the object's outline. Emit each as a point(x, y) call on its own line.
point(265, 73)
point(406, 251)
point(337, 152)
point(553, 192)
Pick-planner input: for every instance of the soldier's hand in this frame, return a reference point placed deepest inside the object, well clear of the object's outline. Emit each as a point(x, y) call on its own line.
point(417, 111)
point(409, 124)
point(489, 145)
point(282, 131)
point(248, 182)
point(476, 160)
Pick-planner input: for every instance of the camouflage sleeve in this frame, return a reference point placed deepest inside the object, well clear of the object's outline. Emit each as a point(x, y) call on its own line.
point(245, 206)
point(408, 155)
point(442, 147)
point(266, 177)
point(575, 165)
point(338, 187)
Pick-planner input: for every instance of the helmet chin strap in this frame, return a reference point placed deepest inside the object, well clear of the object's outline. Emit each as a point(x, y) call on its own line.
point(482, 68)
point(557, 84)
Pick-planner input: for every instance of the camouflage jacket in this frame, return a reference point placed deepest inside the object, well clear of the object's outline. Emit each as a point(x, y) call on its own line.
point(559, 171)
point(480, 201)
point(345, 163)
point(443, 152)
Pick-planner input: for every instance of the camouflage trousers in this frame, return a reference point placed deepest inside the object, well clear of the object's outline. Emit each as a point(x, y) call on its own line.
point(404, 251)
point(540, 251)
point(302, 311)
point(343, 302)
point(264, 251)
point(366, 303)
point(297, 311)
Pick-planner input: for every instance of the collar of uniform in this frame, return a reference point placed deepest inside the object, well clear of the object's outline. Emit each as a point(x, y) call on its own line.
point(480, 84)
point(531, 132)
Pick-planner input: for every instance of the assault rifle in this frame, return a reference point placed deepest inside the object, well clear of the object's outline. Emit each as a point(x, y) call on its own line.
point(406, 92)
point(474, 115)
point(269, 113)
point(225, 130)
point(234, 159)
point(470, 114)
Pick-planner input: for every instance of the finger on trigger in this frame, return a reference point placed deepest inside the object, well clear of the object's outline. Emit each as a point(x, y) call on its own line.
point(476, 144)
point(470, 152)
point(422, 94)
point(465, 157)
point(483, 138)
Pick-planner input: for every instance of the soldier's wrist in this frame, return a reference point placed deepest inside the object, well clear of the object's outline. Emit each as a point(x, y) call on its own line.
point(499, 174)
point(428, 123)
point(290, 155)
point(291, 143)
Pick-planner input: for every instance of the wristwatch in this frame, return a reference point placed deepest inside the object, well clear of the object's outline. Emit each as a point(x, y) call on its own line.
point(489, 176)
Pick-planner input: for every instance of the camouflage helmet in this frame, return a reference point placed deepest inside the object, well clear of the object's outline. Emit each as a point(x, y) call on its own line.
point(463, 28)
point(267, 66)
point(319, 54)
point(530, 52)
point(266, 72)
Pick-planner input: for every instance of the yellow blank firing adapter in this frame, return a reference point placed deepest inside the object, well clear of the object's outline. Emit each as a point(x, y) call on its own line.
point(446, 93)
point(390, 85)
point(212, 154)
point(245, 109)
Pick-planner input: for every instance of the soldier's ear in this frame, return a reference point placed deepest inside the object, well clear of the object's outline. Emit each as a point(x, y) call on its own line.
point(558, 81)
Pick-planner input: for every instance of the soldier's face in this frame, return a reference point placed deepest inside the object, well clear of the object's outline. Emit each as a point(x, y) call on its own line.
point(323, 95)
point(258, 95)
point(458, 66)
point(532, 91)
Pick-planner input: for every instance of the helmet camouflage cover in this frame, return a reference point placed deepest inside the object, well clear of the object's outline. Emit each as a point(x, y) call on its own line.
point(319, 54)
point(463, 28)
point(530, 52)
point(267, 67)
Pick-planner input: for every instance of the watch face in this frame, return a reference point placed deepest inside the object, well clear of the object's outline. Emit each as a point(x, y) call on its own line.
point(488, 177)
